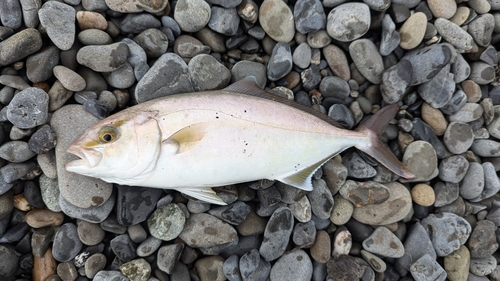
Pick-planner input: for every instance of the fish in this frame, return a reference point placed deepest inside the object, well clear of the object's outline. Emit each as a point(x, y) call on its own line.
point(191, 142)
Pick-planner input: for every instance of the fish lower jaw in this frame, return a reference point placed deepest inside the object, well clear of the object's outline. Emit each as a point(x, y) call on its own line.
point(77, 166)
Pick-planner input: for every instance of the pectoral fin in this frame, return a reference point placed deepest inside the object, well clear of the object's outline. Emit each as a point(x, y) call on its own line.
point(303, 178)
point(186, 138)
point(203, 193)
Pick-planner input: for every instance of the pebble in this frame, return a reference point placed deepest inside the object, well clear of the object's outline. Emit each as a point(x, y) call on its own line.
point(390, 37)
point(309, 16)
point(43, 140)
point(345, 267)
point(137, 23)
point(302, 55)
point(16, 151)
point(427, 62)
point(153, 42)
point(395, 81)
point(491, 182)
point(453, 169)
point(357, 167)
point(420, 158)
point(224, 20)
point(89, 20)
point(253, 267)
point(138, 269)
point(62, 31)
point(204, 230)
point(67, 271)
point(168, 256)
point(207, 73)
point(137, 58)
point(135, 204)
point(342, 210)
point(321, 199)
point(434, 118)
point(135, 6)
point(416, 245)
point(28, 108)
point(458, 137)
point(78, 190)
point(473, 183)
point(442, 9)
point(103, 58)
point(367, 59)
point(234, 213)
point(276, 19)
point(210, 268)
point(481, 29)
point(394, 209)
point(280, 63)
point(457, 264)
point(454, 34)
point(304, 234)
point(482, 242)
point(364, 193)
point(337, 61)
point(412, 31)
point(66, 243)
point(148, 246)
point(44, 267)
point(335, 87)
point(11, 14)
point(301, 209)
point(94, 264)
point(383, 242)
point(343, 27)
point(231, 268)
point(166, 222)
point(69, 79)
point(90, 233)
point(176, 72)
point(276, 234)
point(482, 73)
point(292, 265)
point(468, 113)
point(10, 262)
point(447, 232)
point(111, 275)
point(427, 268)
point(423, 195)
point(15, 82)
point(39, 218)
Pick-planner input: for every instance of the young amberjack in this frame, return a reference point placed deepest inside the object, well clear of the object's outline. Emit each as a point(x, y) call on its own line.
point(192, 142)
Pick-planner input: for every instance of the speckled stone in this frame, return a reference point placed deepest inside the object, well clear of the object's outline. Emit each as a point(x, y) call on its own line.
point(383, 242)
point(342, 26)
point(447, 232)
point(204, 230)
point(276, 18)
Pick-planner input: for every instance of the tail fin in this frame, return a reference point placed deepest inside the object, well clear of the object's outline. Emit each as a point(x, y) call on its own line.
point(372, 129)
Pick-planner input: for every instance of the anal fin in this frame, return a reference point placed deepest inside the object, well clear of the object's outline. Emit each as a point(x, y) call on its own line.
point(203, 193)
point(303, 178)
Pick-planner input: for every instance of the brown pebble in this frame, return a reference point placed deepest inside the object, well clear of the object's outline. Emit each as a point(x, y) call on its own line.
point(44, 267)
point(252, 225)
point(91, 20)
point(38, 218)
point(321, 250)
point(472, 91)
point(434, 118)
point(423, 194)
point(21, 203)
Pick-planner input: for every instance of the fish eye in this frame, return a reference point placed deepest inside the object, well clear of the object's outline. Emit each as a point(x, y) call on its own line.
point(108, 134)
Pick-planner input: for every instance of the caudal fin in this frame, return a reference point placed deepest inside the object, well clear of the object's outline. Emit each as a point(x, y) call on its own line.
point(372, 129)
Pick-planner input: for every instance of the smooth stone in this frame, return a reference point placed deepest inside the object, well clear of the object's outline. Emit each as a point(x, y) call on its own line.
point(416, 245)
point(412, 31)
point(137, 58)
point(44, 267)
point(207, 73)
point(66, 243)
point(123, 247)
point(427, 62)
point(484, 266)
point(482, 73)
point(138, 269)
point(321, 199)
point(481, 29)
point(231, 268)
point(62, 31)
point(168, 256)
point(457, 102)
point(41, 240)
point(138, 22)
point(39, 218)
point(311, 77)
point(148, 246)
point(7, 205)
point(94, 214)
point(135, 6)
point(447, 232)
point(153, 42)
point(88, 20)
point(10, 13)
point(364, 193)
point(394, 209)
point(210, 268)
point(292, 265)
point(383, 242)
point(177, 79)
point(333, 86)
point(395, 81)
point(482, 241)
point(28, 108)
point(121, 78)
point(33, 195)
point(135, 204)
point(103, 58)
point(276, 19)
point(137, 233)
point(423, 195)
point(167, 222)
point(69, 79)
point(30, 12)
point(458, 137)
point(442, 8)
point(321, 250)
point(90, 233)
point(16, 151)
point(234, 213)
point(490, 55)
point(342, 210)
point(337, 61)
point(345, 267)
point(50, 192)
point(453, 168)
point(468, 113)
point(14, 81)
point(302, 55)
point(94, 264)
point(486, 148)
point(375, 262)
point(15, 171)
point(421, 159)
point(253, 267)
point(224, 20)
point(342, 26)
point(280, 63)
point(192, 15)
point(491, 182)
point(80, 191)
point(301, 209)
point(457, 264)
point(473, 182)
point(390, 37)
point(356, 166)
point(427, 268)
point(189, 47)
point(367, 59)
point(438, 91)
point(277, 234)
point(454, 34)
point(434, 118)
point(309, 16)
point(204, 230)
point(304, 234)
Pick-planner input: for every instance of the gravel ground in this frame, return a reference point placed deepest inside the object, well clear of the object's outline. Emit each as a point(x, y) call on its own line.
point(66, 64)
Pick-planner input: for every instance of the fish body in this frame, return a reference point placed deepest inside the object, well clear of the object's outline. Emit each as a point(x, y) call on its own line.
point(194, 141)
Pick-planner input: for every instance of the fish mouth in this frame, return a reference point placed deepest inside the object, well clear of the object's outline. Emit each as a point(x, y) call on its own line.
point(89, 158)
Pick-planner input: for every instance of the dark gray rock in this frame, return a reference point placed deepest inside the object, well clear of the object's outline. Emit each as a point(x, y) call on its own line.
point(447, 232)
point(66, 243)
point(253, 267)
point(280, 63)
point(309, 16)
point(28, 108)
point(277, 234)
point(43, 140)
point(134, 204)
point(416, 245)
point(123, 247)
point(427, 62)
point(453, 169)
point(137, 23)
point(395, 81)
point(224, 20)
point(9, 264)
point(438, 91)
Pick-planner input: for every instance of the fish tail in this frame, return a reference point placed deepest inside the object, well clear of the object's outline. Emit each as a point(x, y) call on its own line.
point(372, 129)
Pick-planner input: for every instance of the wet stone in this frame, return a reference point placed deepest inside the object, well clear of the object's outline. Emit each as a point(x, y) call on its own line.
point(473, 183)
point(280, 63)
point(447, 232)
point(383, 242)
point(134, 204)
point(28, 108)
point(123, 247)
point(66, 243)
point(277, 234)
point(342, 26)
point(292, 265)
point(62, 31)
point(453, 168)
point(234, 213)
point(253, 267)
point(304, 234)
point(321, 199)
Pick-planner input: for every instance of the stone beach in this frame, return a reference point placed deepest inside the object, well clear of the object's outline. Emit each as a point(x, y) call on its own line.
point(64, 65)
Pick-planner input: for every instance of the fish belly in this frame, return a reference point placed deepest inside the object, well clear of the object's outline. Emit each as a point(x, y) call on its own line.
point(240, 151)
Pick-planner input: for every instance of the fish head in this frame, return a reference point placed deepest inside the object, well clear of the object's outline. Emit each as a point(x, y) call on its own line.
point(122, 148)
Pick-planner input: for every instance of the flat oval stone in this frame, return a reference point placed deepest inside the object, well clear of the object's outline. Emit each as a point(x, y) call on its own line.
point(28, 108)
point(367, 59)
point(309, 16)
point(103, 58)
point(292, 265)
point(412, 31)
point(66, 243)
point(343, 26)
point(16, 151)
point(438, 91)
point(167, 222)
point(204, 230)
point(277, 234)
point(442, 8)
point(482, 73)
point(416, 154)
point(473, 182)
point(454, 34)
point(394, 209)
point(20, 45)
point(192, 15)
point(39, 218)
point(481, 29)
point(135, 6)
point(321, 199)
point(383, 242)
point(337, 61)
point(88, 20)
point(453, 168)
point(482, 242)
point(458, 137)
point(427, 62)
point(482, 267)
point(62, 31)
point(276, 19)
point(280, 63)
point(90, 233)
point(447, 232)
point(69, 79)
point(39, 66)
point(457, 264)
point(207, 73)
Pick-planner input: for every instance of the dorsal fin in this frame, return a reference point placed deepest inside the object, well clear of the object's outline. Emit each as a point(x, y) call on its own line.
point(249, 86)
